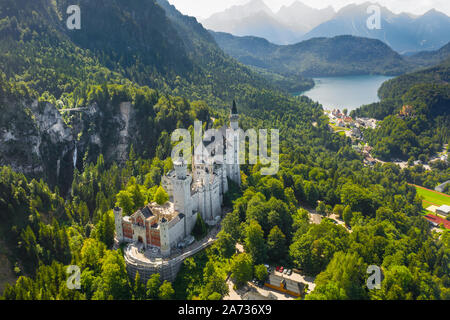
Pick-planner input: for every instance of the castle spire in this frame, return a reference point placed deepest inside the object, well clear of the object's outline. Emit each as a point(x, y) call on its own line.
point(234, 109)
point(234, 117)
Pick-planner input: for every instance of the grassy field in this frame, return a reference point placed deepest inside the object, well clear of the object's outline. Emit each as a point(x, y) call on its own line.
point(431, 197)
point(336, 128)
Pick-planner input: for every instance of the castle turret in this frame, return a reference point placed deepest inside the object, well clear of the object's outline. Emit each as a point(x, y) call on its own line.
point(182, 188)
point(224, 180)
point(164, 237)
point(118, 222)
point(180, 168)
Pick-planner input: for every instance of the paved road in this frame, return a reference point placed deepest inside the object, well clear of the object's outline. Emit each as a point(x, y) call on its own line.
point(73, 109)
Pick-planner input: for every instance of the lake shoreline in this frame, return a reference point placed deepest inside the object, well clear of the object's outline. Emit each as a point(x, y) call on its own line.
point(346, 92)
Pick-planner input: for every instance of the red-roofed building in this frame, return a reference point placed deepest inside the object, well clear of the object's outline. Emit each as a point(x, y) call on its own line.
point(436, 221)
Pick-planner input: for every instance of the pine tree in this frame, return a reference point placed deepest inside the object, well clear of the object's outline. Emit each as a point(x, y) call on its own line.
point(161, 196)
point(153, 285)
point(200, 229)
point(139, 288)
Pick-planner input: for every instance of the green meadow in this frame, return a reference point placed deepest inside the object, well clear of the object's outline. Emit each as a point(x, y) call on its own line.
point(431, 197)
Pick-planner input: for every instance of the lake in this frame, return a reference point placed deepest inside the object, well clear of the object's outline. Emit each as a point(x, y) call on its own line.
point(348, 92)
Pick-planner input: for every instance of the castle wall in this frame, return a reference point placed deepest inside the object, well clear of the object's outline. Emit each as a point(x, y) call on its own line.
point(182, 195)
point(167, 270)
point(194, 200)
point(190, 223)
point(165, 237)
point(139, 234)
point(215, 200)
point(201, 202)
point(118, 223)
point(154, 237)
point(208, 212)
point(224, 180)
point(127, 230)
point(176, 233)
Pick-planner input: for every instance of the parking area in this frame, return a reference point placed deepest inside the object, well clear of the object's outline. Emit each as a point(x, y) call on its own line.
point(253, 292)
point(296, 276)
point(256, 290)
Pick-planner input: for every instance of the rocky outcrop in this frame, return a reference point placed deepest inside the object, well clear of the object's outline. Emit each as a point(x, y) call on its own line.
point(124, 133)
point(36, 138)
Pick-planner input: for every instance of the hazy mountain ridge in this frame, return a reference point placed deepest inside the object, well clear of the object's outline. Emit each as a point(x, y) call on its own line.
point(301, 18)
point(430, 58)
point(286, 26)
point(404, 32)
point(342, 55)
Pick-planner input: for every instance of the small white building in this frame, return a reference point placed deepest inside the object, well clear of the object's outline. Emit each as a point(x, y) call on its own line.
point(443, 210)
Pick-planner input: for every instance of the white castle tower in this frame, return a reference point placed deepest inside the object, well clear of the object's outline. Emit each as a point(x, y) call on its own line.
point(164, 237)
point(224, 180)
point(182, 188)
point(118, 222)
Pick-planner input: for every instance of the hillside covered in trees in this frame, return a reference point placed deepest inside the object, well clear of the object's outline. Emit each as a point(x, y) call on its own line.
point(425, 128)
point(318, 57)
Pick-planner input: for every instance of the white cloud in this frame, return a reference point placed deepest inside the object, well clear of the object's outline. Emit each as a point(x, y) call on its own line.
point(205, 8)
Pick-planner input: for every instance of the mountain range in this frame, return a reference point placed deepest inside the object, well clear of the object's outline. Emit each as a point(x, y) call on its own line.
point(337, 56)
point(405, 33)
point(402, 32)
point(255, 18)
point(430, 58)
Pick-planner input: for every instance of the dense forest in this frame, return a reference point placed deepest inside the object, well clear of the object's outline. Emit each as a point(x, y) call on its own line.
point(172, 78)
point(421, 128)
point(430, 58)
point(319, 57)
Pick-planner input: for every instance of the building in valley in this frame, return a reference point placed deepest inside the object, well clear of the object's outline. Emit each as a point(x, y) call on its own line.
point(443, 210)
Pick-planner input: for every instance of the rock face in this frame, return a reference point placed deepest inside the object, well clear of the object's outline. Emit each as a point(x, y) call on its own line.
point(124, 133)
point(37, 140)
point(34, 139)
point(106, 130)
point(49, 121)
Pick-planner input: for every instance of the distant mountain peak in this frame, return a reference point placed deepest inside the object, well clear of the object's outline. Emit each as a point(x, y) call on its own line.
point(404, 32)
point(296, 5)
point(433, 13)
point(244, 10)
point(300, 6)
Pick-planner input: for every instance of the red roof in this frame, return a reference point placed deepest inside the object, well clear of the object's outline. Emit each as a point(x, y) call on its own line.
point(438, 220)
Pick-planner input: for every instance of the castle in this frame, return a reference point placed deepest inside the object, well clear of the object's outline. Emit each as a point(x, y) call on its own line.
point(165, 226)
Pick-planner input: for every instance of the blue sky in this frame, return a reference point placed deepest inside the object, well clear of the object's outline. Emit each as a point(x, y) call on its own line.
point(205, 8)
